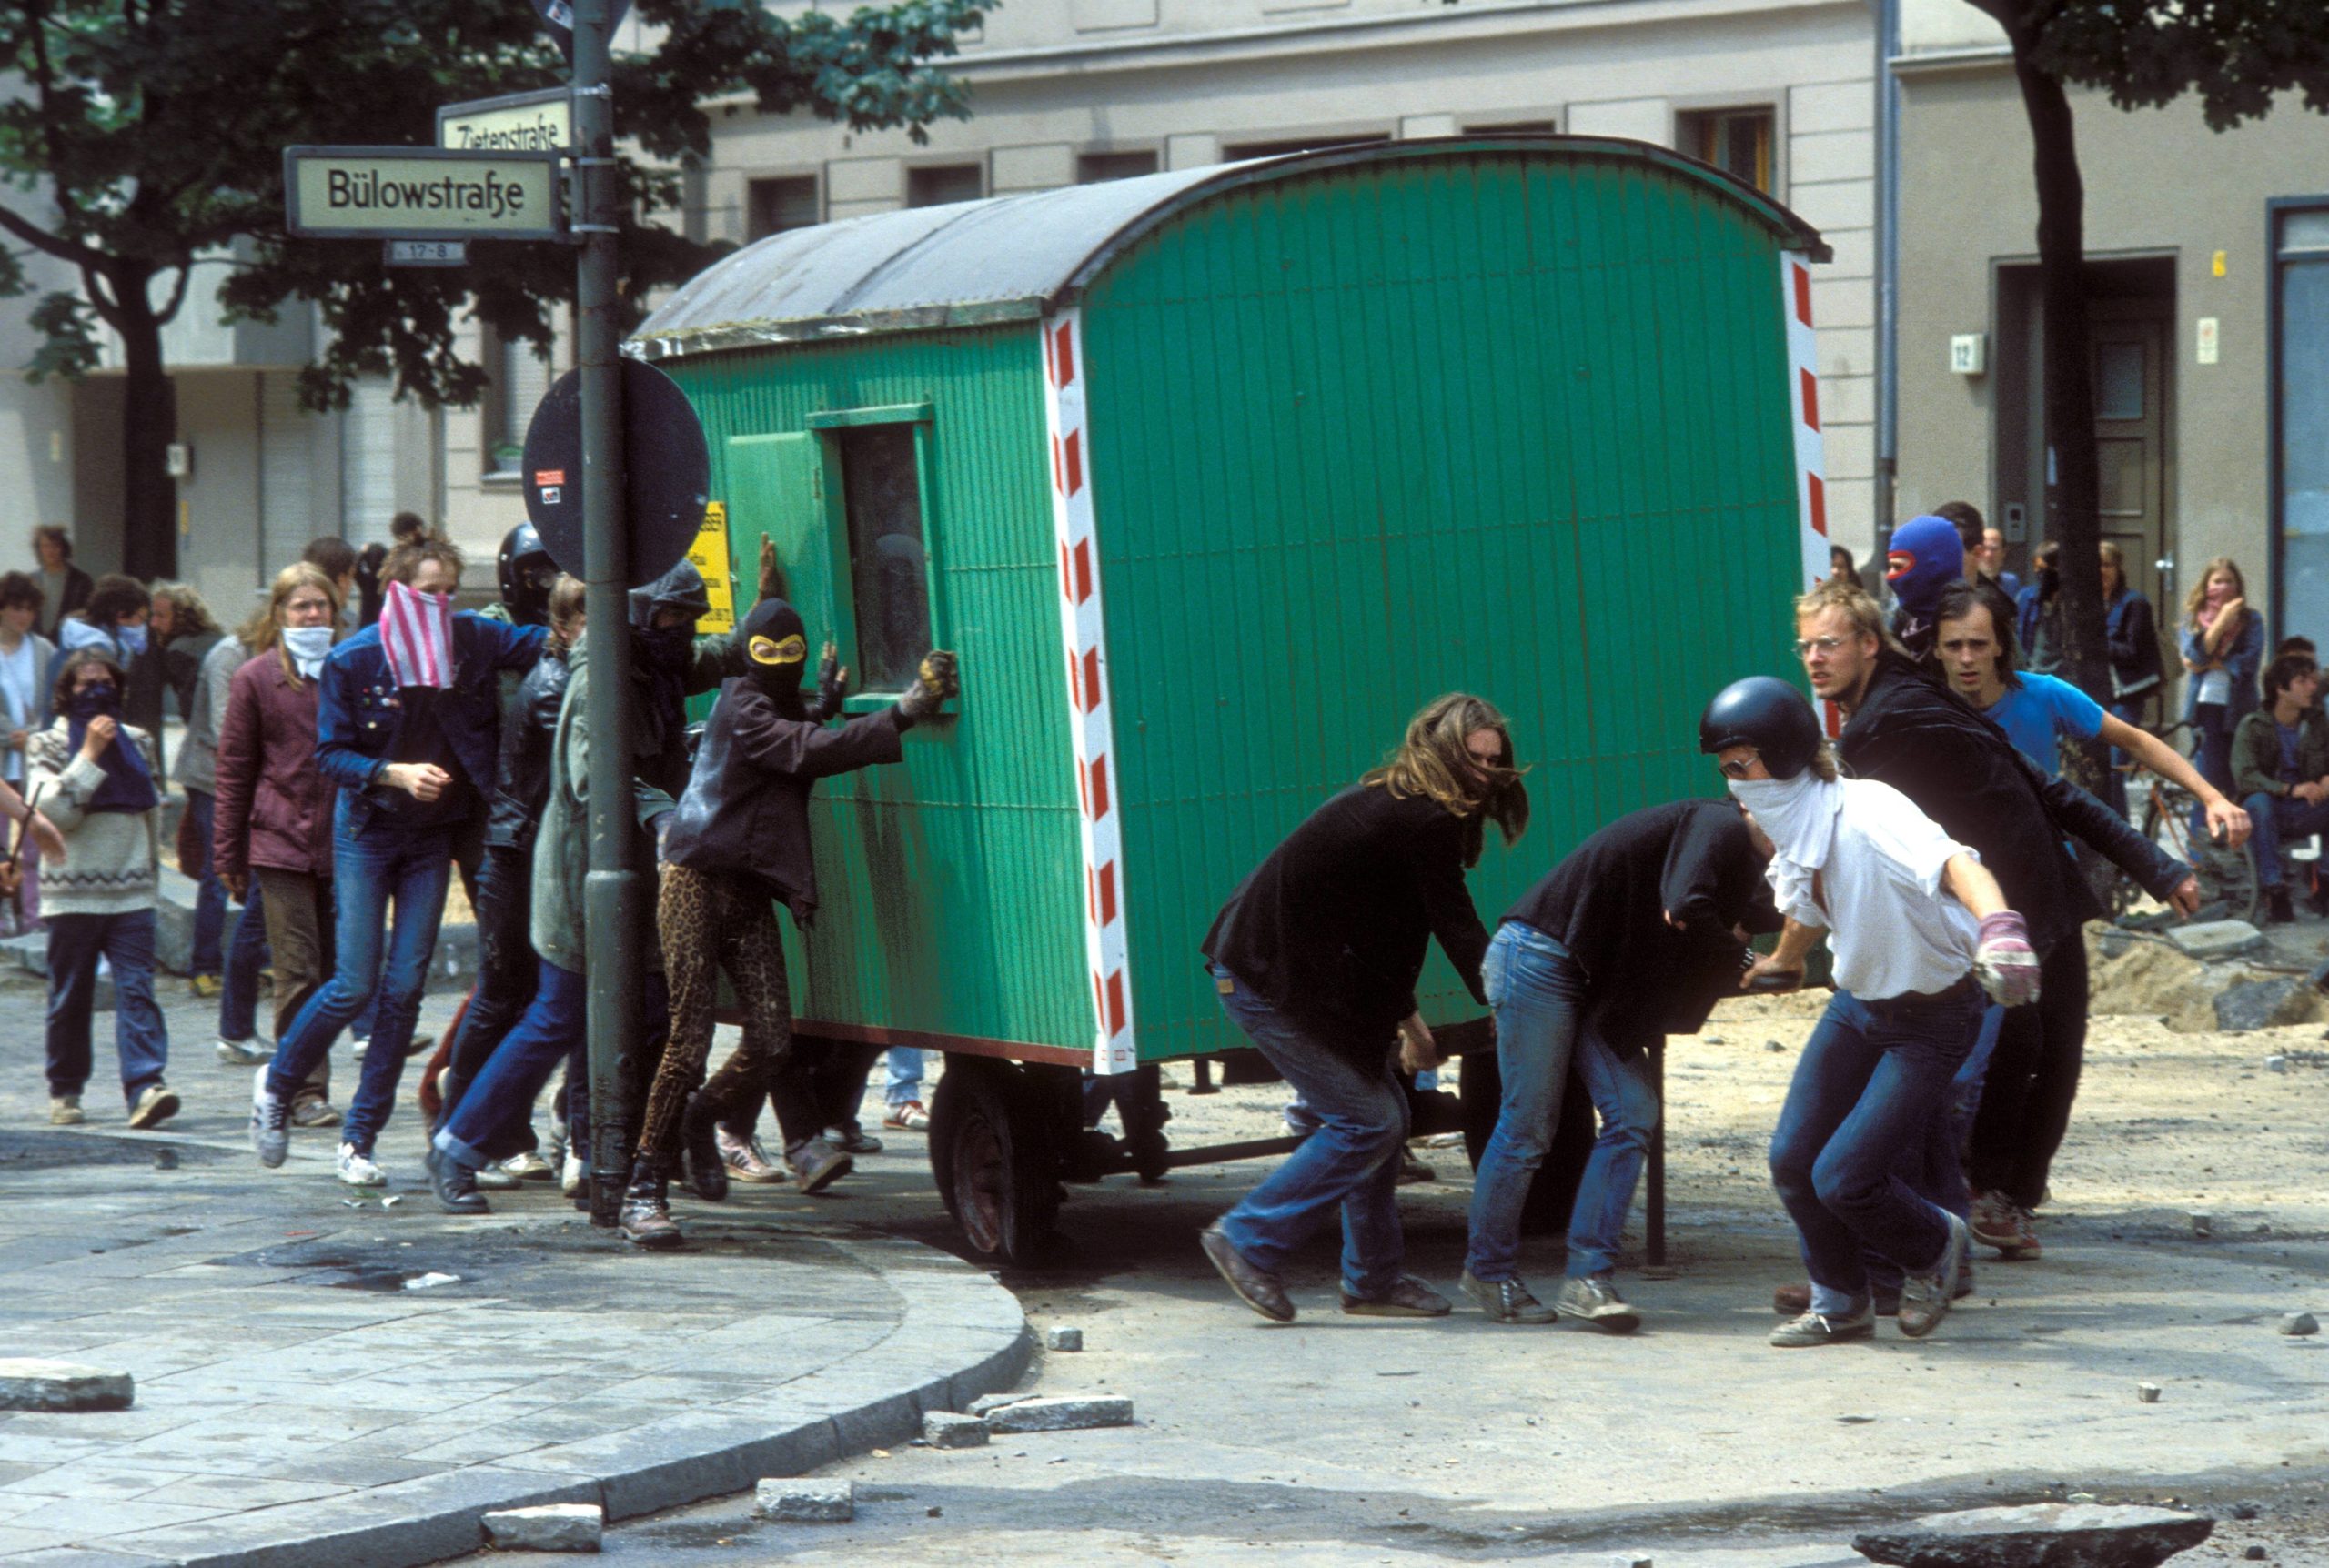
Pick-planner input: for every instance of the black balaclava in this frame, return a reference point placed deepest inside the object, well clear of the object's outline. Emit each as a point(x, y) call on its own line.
point(776, 641)
point(661, 655)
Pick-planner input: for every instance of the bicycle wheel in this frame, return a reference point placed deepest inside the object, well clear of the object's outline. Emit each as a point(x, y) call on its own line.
point(2228, 878)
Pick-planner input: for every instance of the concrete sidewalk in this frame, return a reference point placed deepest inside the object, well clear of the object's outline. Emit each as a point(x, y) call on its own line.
point(323, 1376)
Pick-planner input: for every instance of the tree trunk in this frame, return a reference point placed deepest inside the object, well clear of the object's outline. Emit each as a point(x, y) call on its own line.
point(149, 422)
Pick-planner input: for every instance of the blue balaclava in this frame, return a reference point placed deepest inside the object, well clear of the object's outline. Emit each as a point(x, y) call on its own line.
point(1935, 558)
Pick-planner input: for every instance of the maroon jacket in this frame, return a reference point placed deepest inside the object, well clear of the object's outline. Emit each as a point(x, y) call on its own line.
point(274, 805)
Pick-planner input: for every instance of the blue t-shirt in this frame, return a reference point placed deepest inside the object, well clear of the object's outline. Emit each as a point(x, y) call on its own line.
point(2036, 714)
point(2289, 739)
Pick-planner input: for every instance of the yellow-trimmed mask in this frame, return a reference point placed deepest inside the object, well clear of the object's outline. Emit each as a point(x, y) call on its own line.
point(793, 649)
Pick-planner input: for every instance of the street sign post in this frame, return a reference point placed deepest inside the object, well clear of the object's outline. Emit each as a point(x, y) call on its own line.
point(425, 252)
point(540, 122)
point(421, 193)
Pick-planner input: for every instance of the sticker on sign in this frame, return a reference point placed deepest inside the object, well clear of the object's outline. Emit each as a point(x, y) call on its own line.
point(416, 192)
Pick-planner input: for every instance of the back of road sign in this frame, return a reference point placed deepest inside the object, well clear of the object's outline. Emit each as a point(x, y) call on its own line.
point(667, 471)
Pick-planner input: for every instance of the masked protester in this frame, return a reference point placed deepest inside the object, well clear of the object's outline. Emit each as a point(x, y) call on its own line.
point(93, 778)
point(737, 846)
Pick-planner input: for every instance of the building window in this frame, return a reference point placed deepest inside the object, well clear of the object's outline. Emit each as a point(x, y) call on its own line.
point(1239, 151)
point(1736, 141)
point(888, 564)
point(521, 379)
point(775, 205)
point(1098, 168)
point(942, 184)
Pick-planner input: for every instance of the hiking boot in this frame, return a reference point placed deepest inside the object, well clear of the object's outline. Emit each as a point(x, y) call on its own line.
point(1792, 1300)
point(269, 1136)
point(817, 1165)
point(907, 1117)
point(454, 1184)
point(64, 1111)
point(156, 1104)
point(1818, 1329)
point(1505, 1300)
point(1410, 1298)
point(1991, 1222)
point(1258, 1288)
point(207, 987)
point(356, 1170)
point(646, 1219)
point(852, 1139)
point(1925, 1298)
point(313, 1110)
point(1593, 1301)
point(706, 1167)
point(242, 1052)
point(745, 1159)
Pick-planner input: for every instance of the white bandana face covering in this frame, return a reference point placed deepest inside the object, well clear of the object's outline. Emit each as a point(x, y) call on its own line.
point(1798, 814)
point(306, 644)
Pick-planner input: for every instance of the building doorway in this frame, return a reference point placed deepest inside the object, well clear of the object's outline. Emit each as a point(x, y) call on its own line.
point(2301, 416)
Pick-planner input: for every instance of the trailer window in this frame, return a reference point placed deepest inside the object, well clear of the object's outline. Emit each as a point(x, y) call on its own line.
point(889, 585)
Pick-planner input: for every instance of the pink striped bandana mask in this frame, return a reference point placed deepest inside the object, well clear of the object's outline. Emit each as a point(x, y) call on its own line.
point(416, 634)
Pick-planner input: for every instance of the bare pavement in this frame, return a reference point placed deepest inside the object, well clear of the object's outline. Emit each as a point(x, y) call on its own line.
point(305, 1397)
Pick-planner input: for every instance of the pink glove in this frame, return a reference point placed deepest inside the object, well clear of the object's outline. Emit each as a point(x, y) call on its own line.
point(2004, 961)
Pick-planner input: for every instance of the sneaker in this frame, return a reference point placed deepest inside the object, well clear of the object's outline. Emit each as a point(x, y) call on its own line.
point(909, 1117)
point(1991, 1222)
point(1412, 1171)
point(1818, 1329)
point(357, 1044)
point(1258, 1288)
point(242, 1052)
point(356, 1170)
point(496, 1177)
point(64, 1111)
point(422, 1044)
point(156, 1105)
point(314, 1110)
point(1410, 1298)
point(746, 1159)
point(1505, 1300)
point(572, 1171)
point(1925, 1298)
point(270, 1137)
point(817, 1165)
point(207, 987)
point(2026, 1243)
point(1595, 1301)
point(553, 1148)
point(1792, 1300)
point(530, 1167)
point(852, 1139)
point(454, 1184)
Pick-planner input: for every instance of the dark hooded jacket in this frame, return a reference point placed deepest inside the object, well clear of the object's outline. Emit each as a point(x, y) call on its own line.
point(1960, 769)
point(521, 782)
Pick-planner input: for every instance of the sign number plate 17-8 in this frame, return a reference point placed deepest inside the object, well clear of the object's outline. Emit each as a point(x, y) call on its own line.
point(420, 192)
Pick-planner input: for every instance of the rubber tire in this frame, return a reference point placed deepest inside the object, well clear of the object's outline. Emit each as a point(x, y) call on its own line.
point(993, 1157)
point(1554, 1193)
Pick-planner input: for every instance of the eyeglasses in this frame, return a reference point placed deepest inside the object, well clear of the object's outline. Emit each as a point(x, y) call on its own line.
point(1809, 646)
point(1735, 770)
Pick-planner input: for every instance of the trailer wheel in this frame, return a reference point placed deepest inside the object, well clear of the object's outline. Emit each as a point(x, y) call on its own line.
point(991, 1155)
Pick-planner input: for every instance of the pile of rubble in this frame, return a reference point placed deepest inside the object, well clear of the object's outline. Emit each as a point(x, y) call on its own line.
point(2222, 976)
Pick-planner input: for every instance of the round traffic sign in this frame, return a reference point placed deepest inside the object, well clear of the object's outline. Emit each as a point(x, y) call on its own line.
point(667, 471)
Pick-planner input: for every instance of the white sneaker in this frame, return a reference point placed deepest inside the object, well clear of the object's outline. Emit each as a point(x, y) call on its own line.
point(357, 1044)
point(570, 1175)
point(243, 1053)
point(270, 1122)
point(357, 1170)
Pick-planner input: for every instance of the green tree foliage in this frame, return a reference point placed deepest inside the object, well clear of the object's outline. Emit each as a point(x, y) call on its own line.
point(146, 134)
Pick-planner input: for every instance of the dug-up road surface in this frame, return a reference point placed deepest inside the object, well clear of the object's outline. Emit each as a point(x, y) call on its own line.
point(2190, 1210)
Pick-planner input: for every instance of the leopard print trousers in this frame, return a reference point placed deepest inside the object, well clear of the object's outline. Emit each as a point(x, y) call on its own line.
point(710, 922)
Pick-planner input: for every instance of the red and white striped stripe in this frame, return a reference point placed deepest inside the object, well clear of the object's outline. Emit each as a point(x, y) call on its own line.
point(416, 634)
point(1803, 403)
point(1084, 632)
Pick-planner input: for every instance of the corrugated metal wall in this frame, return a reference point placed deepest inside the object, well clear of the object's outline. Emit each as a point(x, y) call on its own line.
point(952, 884)
point(1516, 425)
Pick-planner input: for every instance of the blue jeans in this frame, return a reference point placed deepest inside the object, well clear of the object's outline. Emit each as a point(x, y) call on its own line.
point(2280, 819)
point(246, 954)
point(1872, 1082)
point(370, 870)
point(74, 944)
point(1543, 1021)
point(211, 893)
point(1351, 1162)
point(492, 1121)
point(905, 1075)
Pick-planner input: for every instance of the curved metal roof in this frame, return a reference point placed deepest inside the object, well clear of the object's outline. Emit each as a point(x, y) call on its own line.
point(1011, 257)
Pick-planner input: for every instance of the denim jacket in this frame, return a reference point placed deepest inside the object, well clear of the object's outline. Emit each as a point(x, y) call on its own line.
point(358, 710)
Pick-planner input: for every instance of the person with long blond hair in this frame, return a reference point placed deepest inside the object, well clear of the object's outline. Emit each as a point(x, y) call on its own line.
point(2223, 646)
point(1315, 956)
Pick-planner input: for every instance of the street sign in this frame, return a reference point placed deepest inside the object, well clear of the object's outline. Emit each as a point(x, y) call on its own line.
point(420, 192)
point(541, 122)
point(666, 466)
point(425, 252)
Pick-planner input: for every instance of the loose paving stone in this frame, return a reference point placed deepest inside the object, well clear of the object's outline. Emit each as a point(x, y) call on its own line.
point(988, 1403)
point(2276, 1064)
point(1066, 1414)
point(944, 1429)
point(2038, 1535)
point(2211, 940)
point(30, 1383)
point(799, 1501)
point(2148, 1392)
point(553, 1527)
point(2263, 1004)
point(2299, 1323)
point(1062, 1339)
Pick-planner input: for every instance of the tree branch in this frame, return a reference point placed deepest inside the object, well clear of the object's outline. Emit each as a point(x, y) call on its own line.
point(41, 239)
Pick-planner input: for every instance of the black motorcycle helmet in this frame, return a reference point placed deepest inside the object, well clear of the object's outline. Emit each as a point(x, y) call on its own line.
point(1767, 714)
point(527, 574)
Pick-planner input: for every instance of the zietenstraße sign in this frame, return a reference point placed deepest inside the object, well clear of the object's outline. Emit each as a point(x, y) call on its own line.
point(541, 122)
point(420, 192)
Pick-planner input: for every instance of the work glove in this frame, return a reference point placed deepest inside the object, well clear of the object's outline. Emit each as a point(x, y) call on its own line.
point(2004, 962)
point(830, 679)
point(937, 681)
